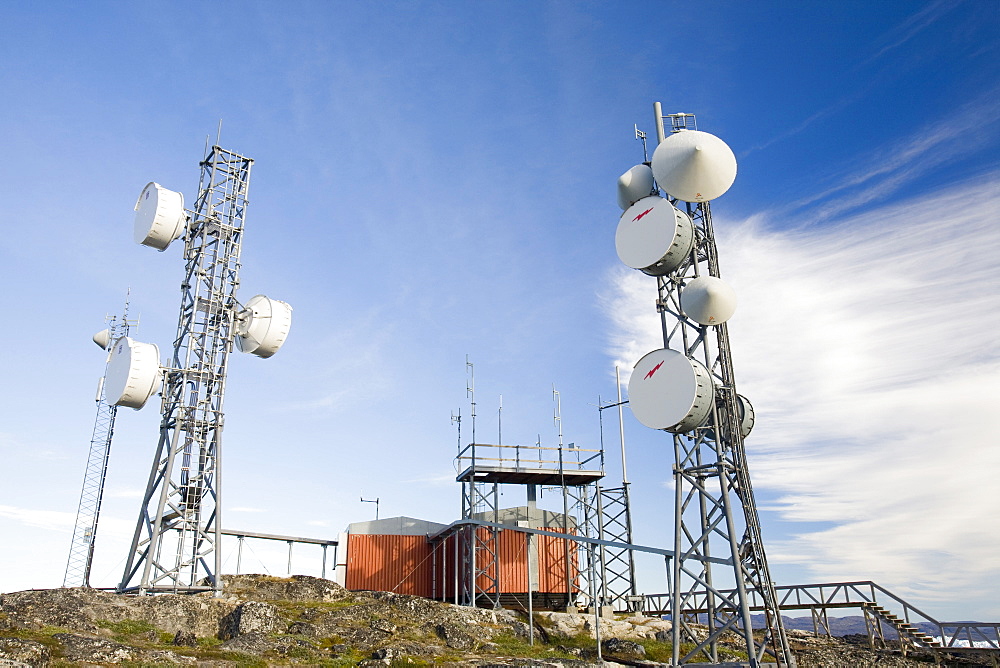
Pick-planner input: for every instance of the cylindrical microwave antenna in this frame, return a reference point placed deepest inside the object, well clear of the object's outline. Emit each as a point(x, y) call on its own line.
point(653, 236)
point(159, 216)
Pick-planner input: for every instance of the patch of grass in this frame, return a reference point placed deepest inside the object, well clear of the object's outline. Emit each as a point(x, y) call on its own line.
point(507, 644)
point(409, 661)
point(42, 635)
point(295, 610)
point(209, 641)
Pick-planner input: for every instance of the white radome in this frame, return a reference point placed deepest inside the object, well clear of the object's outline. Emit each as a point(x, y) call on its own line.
point(263, 326)
point(670, 391)
point(694, 166)
point(103, 338)
point(159, 216)
point(634, 184)
point(653, 236)
point(134, 373)
point(708, 300)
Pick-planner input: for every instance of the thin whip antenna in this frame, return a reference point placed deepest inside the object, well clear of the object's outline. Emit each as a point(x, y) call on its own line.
point(500, 422)
point(218, 135)
point(470, 392)
point(557, 415)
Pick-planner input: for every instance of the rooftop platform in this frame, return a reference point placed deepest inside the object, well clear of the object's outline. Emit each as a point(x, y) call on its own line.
point(528, 476)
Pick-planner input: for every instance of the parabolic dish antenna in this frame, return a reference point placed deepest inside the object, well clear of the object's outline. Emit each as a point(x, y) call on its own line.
point(694, 166)
point(708, 300)
point(263, 326)
point(159, 216)
point(133, 373)
point(653, 236)
point(670, 391)
point(634, 184)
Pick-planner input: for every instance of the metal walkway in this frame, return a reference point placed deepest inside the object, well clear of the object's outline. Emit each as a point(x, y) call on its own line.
point(882, 610)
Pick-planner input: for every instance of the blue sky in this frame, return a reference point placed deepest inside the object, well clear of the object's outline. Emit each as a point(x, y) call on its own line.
point(437, 179)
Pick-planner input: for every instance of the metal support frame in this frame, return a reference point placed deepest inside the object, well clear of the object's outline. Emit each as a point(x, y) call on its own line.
point(81, 553)
point(481, 582)
point(178, 534)
point(615, 566)
point(714, 504)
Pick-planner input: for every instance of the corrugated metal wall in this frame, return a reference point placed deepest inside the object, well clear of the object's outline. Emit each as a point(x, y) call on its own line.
point(411, 565)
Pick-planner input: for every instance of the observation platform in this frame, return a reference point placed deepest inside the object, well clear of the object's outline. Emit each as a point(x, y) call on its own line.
point(529, 465)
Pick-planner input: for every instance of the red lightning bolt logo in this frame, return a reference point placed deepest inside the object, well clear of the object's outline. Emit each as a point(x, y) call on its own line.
point(653, 370)
point(639, 217)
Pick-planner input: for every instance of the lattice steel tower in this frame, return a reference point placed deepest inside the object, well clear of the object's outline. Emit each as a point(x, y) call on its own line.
point(81, 553)
point(688, 388)
point(177, 536)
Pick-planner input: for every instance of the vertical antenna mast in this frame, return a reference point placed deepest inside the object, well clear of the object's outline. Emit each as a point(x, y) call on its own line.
point(81, 554)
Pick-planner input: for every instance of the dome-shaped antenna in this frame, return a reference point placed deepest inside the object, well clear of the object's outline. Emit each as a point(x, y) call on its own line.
point(634, 184)
point(103, 338)
point(159, 216)
point(708, 300)
point(694, 166)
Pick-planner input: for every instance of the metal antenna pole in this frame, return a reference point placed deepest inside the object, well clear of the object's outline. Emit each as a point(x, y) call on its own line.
point(621, 427)
point(714, 502)
point(81, 553)
point(179, 530)
point(375, 501)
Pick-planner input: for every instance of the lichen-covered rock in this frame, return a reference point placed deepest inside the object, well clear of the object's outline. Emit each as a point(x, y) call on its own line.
point(249, 643)
point(80, 609)
point(383, 625)
point(454, 637)
point(623, 649)
point(249, 617)
point(295, 588)
point(98, 650)
point(23, 652)
point(185, 639)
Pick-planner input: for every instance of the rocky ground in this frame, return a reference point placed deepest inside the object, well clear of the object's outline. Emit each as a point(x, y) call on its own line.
point(264, 621)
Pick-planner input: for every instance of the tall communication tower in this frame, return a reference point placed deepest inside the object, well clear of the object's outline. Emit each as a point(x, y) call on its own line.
point(178, 533)
point(81, 553)
point(688, 389)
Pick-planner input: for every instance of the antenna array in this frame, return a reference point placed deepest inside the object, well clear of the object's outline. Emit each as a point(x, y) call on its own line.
point(178, 534)
point(687, 388)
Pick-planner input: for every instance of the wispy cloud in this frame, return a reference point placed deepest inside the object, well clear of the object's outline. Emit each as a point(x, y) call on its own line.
point(243, 509)
point(941, 141)
point(57, 520)
point(912, 26)
point(43, 519)
point(869, 350)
